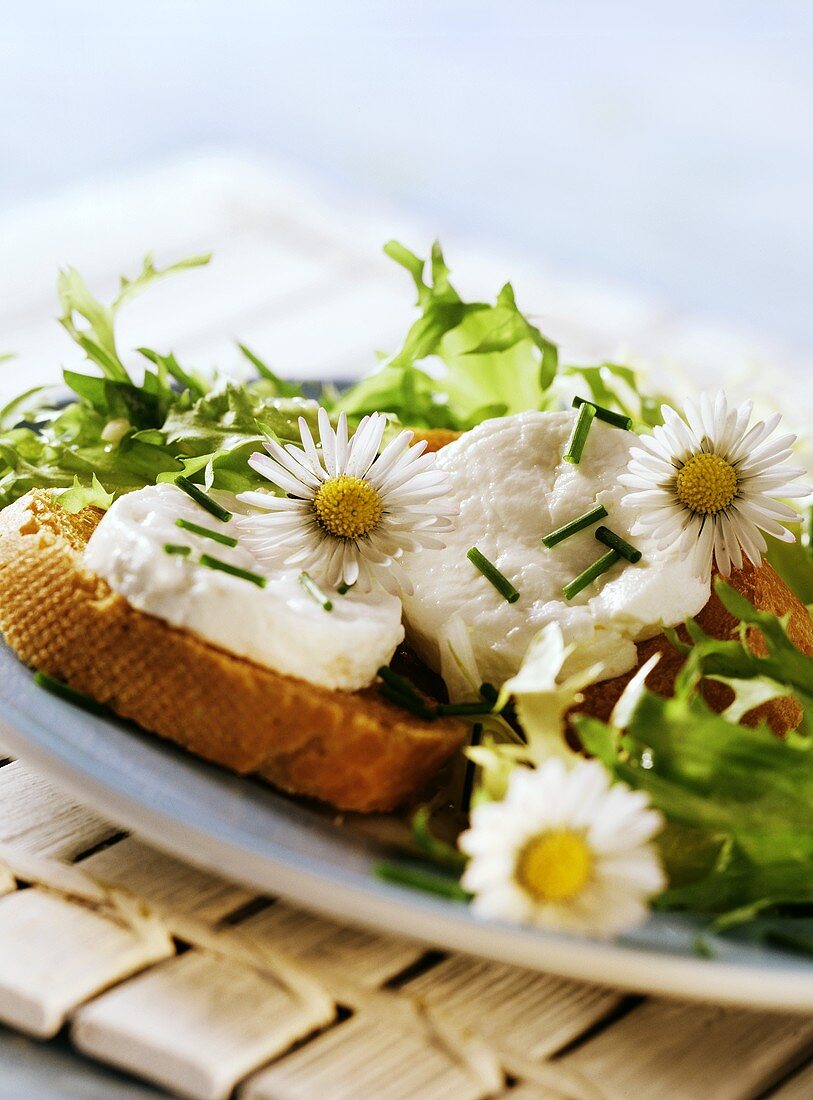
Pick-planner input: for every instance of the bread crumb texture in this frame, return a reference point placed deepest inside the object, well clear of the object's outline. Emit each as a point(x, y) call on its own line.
point(356, 751)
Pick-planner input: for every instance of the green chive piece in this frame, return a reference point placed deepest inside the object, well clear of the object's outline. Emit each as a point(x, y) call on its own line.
point(343, 588)
point(578, 437)
point(203, 499)
point(417, 707)
point(430, 882)
point(471, 768)
point(206, 532)
point(615, 542)
point(618, 420)
point(447, 710)
point(489, 693)
point(314, 591)
point(69, 694)
point(492, 574)
point(399, 684)
point(575, 525)
point(181, 551)
point(232, 570)
point(591, 573)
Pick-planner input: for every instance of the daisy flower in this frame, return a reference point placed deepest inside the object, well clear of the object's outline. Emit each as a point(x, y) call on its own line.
point(348, 512)
point(709, 484)
point(564, 850)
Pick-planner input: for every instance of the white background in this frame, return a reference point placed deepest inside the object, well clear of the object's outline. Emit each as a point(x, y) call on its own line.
point(657, 146)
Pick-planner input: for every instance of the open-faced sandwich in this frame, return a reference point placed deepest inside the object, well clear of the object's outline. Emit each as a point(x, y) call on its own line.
point(474, 548)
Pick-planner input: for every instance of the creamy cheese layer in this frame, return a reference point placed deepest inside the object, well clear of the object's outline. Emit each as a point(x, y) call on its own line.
point(279, 626)
point(513, 486)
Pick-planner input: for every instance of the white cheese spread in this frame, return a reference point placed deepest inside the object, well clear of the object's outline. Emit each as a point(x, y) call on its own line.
point(280, 626)
point(513, 486)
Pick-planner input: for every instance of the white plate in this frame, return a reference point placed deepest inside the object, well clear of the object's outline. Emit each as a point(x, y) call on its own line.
point(246, 831)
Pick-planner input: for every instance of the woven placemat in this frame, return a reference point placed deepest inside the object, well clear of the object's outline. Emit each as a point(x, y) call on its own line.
point(203, 987)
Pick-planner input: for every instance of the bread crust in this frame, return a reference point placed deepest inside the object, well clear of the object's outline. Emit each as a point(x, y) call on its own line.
point(766, 591)
point(356, 751)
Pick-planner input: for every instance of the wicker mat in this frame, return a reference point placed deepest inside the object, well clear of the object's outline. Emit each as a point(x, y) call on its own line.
point(202, 987)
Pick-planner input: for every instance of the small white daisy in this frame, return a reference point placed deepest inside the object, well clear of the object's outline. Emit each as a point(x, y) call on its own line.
point(349, 512)
point(709, 484)
point(564, 850)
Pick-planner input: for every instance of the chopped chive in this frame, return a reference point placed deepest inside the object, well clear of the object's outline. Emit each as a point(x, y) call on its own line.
point(414, 706)
point(206, 532)
point(578, 437)
point(615, 542)
point(399, 684)
point(314, 591)
point(181, 551)
point(591, 573)
point(489, 693)
point(492, 574)
point(471, 768)
point(343, 588)
point(447, 710)
point(69, 694)
point(618, 420)
point(203, 499)
point(232, 570)
point(575, 525)
point(431, 882)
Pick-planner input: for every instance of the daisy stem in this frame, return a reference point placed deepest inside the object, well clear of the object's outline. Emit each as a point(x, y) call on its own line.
point(618, 420)
point(615, 542)
point(203, 499)
point(314, 591)
point(492, 573)
point(591, 573)
point(578, 437)
point(575, 525)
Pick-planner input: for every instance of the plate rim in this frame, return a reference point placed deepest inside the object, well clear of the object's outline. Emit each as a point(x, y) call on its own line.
point(393, 909)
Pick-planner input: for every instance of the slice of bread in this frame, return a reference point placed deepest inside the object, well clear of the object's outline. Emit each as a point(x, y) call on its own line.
point(356, 751)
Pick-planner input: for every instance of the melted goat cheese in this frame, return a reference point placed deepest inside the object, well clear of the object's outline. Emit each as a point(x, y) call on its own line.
point(512, 487)
point(279, 626)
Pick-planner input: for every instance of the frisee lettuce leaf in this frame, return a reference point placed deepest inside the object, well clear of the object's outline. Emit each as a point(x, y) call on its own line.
point(737, 799)
point(115, 434)
point(479, 360)
point(91, 323)
point(73, 500)
point(619, 387)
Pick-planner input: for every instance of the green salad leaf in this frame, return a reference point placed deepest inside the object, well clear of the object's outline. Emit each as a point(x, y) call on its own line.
point(73, 500)
point(737, 799)
point(619, 388)
point(115, 434)
point(92, 324)
point(460, 362)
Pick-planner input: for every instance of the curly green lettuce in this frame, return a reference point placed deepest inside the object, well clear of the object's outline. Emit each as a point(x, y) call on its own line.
point(737, 799)
point(112, 434)
point(479, 360)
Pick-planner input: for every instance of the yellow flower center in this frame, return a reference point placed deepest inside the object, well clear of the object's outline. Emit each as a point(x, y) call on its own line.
point(348, 507)
point(554, 866)
point(706, 484)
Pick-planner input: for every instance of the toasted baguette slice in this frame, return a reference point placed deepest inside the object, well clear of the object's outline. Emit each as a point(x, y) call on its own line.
point(435, 437)
point(768, 592)
point(356, 751)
